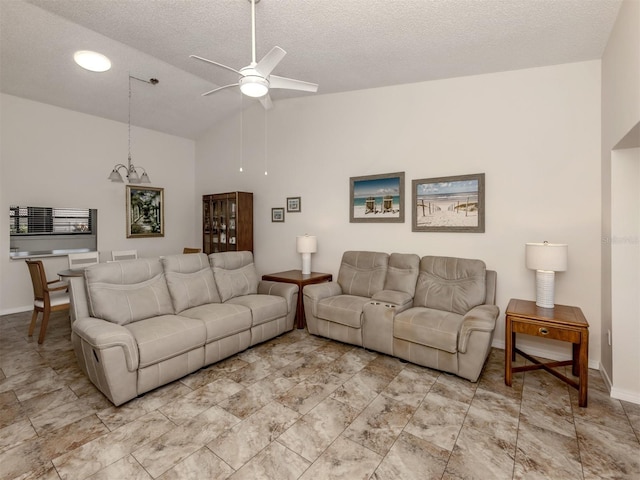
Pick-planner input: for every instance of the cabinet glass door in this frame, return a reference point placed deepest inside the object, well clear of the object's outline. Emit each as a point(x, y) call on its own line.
point(232, 208)
point(206, 226)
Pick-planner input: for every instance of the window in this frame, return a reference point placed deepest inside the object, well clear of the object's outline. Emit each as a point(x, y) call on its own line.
point(46, 231)
point(49, 221)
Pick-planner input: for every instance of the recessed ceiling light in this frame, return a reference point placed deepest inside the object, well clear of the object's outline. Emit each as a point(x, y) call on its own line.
point(96, 62)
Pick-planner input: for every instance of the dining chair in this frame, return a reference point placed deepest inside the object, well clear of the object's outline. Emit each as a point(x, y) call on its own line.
point(82, 260)
point(47, 297)
point(191, 250)
point(117, 255)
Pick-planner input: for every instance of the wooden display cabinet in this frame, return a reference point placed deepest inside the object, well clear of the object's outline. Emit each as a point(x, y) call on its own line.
point(227, 222)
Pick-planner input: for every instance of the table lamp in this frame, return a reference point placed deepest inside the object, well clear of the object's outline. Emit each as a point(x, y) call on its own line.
point(306, 245)
point(546, 259)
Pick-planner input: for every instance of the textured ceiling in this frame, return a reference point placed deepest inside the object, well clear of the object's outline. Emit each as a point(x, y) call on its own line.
point(340, 44)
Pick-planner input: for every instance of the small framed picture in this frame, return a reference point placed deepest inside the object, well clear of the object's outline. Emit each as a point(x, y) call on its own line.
point(277, 214)
point(294, 204)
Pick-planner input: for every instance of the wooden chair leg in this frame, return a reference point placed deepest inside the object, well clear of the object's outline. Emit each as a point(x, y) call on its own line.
point(34, 318)
point(43, 326)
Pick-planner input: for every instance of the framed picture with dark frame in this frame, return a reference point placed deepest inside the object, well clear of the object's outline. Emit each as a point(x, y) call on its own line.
point(145, 211)
point(294, 205)
point(377, 198)
point(277, 214)
point(448, 204)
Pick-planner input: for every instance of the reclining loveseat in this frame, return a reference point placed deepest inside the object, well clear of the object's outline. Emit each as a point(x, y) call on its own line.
point(438, 312)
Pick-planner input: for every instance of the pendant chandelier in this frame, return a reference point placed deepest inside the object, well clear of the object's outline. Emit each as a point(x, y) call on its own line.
point(131, 170)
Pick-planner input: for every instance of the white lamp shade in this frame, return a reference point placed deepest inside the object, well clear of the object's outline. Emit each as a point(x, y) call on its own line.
point(546, 256)
point(306, 244)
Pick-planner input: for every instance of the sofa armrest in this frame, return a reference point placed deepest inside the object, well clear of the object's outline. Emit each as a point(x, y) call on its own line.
point(288, 291)
point(401, 299)
point(481, 318)
point(101, 334)
point(320, 291)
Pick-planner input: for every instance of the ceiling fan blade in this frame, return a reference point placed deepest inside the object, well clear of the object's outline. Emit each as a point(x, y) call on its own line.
point(219, 88)
point(291, 84)
point(266, 102)
point(270, 61)
point(214, 63)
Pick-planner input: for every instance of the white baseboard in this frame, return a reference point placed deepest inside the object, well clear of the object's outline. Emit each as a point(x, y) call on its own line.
point(541, 352)
point(627, 396)
point(605, 376)
point(9, 311)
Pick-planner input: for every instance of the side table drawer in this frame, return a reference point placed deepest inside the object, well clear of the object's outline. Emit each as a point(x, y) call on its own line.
point(546, 331)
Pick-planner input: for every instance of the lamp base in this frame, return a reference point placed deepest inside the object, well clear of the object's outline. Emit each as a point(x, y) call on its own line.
point(306, 263)
point(545, 283)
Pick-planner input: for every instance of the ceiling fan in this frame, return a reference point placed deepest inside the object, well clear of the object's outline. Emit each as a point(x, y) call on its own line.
point(255, 79)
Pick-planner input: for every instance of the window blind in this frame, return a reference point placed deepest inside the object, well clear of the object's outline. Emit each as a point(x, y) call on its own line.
point(50, 221)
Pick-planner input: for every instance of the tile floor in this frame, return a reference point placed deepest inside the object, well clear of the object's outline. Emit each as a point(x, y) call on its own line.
point(303, 407)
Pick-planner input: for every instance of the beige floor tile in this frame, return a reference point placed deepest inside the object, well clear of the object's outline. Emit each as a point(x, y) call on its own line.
point(412, 458)
point(543, 453)
point(378, 425)
point(126, 467)
point(274, 462)
point(607, 452)
point(172, 447)
point(343, 459)
point(203, 464)
point(93, 456)
point(301, 406)
point(438, 420)
point(239, 444)
point(481, 454)
point(316, 430)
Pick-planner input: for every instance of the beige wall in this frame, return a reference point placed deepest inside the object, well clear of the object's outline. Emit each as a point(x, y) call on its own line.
point(50, 156)
point(620, 115)
point(535, 134)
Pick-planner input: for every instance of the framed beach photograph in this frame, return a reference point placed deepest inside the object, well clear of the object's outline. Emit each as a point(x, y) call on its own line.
point(145, 211)
point(448, 204)
point(377, 198)
point(294, 204)
point(277, 214)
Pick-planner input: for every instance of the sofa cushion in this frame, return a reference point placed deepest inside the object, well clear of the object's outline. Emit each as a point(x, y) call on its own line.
point(166, 336)
point(402, 273)
point(235, 274)
point(125, 292)
point(429, 327)
point(221, 319)
point(230, 260)
point(190, 281)
point(235, 283)
point(264, 308)
point(343, 309)
point(450, 284)
point(362, 273)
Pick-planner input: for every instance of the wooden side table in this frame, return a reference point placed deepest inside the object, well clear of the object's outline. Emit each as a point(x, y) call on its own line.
point(560, 323)
point(296, 277)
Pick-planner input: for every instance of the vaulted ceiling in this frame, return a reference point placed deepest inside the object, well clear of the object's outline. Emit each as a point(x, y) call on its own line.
point(342, 45)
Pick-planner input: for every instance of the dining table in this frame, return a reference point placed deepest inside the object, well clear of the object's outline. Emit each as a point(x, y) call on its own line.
point(71, 272)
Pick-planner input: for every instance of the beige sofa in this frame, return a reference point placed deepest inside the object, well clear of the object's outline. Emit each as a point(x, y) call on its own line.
point(139, 324)
point(438, 312)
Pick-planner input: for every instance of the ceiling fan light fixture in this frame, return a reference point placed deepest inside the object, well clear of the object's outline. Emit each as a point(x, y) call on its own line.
point(92, 61)
point(254, 86)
